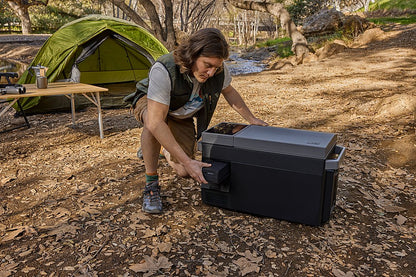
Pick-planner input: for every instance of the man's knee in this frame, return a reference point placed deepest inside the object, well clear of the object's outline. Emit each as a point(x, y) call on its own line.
point(179, 169)
point(182, 172)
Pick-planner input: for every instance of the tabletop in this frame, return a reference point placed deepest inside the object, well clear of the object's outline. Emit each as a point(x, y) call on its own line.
point(57, 88)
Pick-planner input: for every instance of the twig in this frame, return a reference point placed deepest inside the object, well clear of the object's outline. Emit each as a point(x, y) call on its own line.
point(288, 267)
point(95, 255)
point(99, 250)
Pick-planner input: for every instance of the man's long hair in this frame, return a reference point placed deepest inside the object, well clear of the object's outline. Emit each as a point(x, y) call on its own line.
point(208, 42)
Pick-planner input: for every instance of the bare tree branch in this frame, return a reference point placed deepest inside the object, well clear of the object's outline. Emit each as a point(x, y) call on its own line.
point(165, 33)
point(131, 13)
point(299, 43)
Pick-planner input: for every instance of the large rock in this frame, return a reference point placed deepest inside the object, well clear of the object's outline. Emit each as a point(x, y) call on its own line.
point(335, 47)
point(369, 36)
point(324, 22)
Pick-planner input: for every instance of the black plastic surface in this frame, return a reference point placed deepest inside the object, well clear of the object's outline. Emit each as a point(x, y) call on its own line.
point(217, 172)
point(288, 186)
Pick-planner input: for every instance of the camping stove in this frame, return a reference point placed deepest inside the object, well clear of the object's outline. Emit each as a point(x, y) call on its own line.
point(275, 172)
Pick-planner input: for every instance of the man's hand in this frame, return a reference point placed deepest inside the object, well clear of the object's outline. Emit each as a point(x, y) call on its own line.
point(194, 169)
point(257, 121)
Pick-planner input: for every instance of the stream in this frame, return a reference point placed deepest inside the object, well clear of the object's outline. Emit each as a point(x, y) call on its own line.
point(238, 65)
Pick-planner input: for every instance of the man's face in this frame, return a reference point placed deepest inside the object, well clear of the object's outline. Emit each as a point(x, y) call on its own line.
point(205, 67)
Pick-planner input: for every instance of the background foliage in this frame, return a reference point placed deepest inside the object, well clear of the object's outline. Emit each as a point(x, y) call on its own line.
point(57, 13)
point(301, 9)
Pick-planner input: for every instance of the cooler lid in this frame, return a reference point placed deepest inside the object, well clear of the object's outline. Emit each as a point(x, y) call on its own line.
point(285, 141)
point(222, 133)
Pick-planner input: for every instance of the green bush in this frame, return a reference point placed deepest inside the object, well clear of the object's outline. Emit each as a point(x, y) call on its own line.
point(283, 46)
point(392, 5)
point(50, 18)
point(7, 17)
point(400, 20)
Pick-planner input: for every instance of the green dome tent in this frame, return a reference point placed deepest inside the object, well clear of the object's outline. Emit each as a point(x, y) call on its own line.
point(97, 50)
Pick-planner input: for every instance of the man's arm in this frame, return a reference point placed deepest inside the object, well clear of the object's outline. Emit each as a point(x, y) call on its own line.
point(235, 100)
point(155, 123)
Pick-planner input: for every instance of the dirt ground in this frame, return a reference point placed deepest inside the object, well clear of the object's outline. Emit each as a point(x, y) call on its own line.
point(70, 202)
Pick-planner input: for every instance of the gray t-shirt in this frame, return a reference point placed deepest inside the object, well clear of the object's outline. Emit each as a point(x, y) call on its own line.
point(160, 85)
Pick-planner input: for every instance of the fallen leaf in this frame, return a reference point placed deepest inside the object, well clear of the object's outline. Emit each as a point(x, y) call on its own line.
point(270, 254)
point(60, 212)
point(388, 206)
point(148, 233)
point(7, 270)
point(165, 247)
point(139, 216)
point(252, 257)
point(400, 253)
point(89, 212)
point(246, 266)
point(348, 210)
point(18, 232)
point(28, 269)
point(60, 230)
point(151, 265)
point(5, 273)
point(400, 219)
point(5, 180)
point(338, 273)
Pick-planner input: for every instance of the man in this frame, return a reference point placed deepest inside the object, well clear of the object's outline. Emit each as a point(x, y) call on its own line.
point(182, 85)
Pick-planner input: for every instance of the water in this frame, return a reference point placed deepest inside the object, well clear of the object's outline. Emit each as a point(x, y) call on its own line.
point(238, 66)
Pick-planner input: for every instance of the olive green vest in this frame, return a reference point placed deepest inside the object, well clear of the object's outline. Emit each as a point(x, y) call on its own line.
point(181, 90)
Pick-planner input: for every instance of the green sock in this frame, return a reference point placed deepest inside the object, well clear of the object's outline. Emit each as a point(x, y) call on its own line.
point(151, 178)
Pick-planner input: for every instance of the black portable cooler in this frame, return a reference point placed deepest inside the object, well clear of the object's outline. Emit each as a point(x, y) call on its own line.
point(282, 173)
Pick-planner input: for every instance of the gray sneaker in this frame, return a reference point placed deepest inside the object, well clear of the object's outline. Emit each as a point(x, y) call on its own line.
point(152, 203)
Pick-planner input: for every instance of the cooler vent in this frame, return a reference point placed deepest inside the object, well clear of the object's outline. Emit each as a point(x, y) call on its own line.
point(214, 198)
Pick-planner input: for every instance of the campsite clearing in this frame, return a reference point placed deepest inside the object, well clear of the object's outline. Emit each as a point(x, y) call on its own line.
point(71, 202)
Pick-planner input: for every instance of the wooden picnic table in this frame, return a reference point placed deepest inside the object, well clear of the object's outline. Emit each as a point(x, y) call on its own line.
point(92, 93)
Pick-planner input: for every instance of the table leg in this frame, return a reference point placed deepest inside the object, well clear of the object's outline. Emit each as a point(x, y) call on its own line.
point(23, 113)
point(100, 118)
point(73, 108)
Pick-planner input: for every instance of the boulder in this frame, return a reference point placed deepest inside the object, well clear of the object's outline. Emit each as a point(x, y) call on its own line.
point(324, 22)
point(369, 36)
point(335, 47)
point(257, 54)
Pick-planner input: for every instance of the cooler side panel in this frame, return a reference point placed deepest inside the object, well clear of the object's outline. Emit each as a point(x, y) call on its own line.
point(276, 193)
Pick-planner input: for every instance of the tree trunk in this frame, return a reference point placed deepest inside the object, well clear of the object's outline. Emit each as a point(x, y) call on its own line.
point(299, 43)
point(22, 12)
point(337, 5)
point(170, 30)
point(366, 5)
point(20, 7)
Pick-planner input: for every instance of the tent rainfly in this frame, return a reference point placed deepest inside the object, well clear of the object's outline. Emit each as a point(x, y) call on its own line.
point(97, 50)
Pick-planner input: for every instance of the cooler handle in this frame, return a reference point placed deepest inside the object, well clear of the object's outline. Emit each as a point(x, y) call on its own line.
point(333, 164)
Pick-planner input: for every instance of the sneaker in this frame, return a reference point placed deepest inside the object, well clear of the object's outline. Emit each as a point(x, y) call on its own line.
point(152, 203)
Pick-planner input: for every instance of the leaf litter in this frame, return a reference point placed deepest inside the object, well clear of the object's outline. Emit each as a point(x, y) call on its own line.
point(71, 202)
